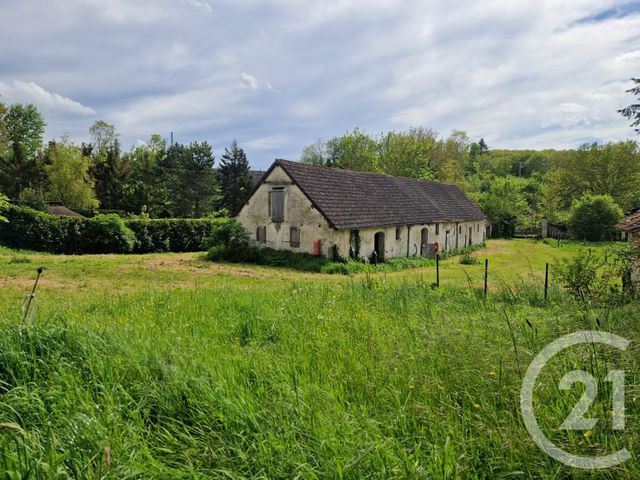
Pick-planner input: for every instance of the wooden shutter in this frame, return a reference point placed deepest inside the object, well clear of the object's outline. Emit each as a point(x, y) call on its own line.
point(261, 234)
point(277, 204)
point(294, 239)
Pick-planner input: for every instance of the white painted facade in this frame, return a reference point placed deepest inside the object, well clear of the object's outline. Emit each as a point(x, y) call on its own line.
point(299, 212)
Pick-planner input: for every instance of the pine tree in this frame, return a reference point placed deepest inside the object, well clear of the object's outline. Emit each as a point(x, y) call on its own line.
point(632, 112)
point(234, 178)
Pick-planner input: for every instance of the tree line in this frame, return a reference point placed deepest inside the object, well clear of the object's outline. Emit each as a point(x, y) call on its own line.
point(151, 179)
point(515, 188)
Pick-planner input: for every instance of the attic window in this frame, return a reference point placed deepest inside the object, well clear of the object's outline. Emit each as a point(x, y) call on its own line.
point(397, 233)
point(294, 237)
point(276, 204)
point(261, 234)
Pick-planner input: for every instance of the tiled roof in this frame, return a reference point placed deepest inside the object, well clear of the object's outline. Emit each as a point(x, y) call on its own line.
point(64, 211)
point(255, 175)
point(630, 223)
point(352, 200)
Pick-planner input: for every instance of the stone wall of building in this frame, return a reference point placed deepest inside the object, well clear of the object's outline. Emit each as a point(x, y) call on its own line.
point(399, 241)
point(298, 213)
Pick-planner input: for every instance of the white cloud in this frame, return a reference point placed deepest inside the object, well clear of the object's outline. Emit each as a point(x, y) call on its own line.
point(272, 142)
point(250, 81)
point(202, 5)
point(516, 72)
point(30, 92)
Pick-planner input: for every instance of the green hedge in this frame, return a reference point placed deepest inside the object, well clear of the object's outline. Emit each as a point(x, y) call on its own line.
point(170, 235)
point(34, 230)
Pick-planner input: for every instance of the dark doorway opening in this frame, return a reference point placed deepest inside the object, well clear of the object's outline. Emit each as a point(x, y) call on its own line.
point(354, 244)
point(378, 246)
point(424, 241)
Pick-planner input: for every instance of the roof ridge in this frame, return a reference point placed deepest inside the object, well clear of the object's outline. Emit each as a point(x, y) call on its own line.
point(359, 172)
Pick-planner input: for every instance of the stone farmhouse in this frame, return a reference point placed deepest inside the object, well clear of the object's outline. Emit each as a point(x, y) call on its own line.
point(333, 212)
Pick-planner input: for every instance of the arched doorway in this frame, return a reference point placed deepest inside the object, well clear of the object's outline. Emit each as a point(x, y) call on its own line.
point(424, 242)
point(378, 245)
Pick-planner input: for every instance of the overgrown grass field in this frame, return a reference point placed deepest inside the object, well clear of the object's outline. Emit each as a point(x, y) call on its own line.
point(169, 366)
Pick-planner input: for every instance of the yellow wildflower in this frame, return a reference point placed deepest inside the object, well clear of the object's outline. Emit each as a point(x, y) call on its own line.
point(492, 374)
point(588, 434)
point(476, 406)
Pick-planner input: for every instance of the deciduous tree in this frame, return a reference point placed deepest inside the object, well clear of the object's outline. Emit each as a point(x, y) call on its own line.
point(71, 184)
point(23, 129)
point(593, 217)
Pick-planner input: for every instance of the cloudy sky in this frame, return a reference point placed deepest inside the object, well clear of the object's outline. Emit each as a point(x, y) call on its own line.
point(278, 74)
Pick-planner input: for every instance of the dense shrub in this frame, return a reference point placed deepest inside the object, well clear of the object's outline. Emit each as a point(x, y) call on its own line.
point(171, 234)
point(4, 204)
point(594, 277)
point(34, 230)
point(467, 259)
point(227, 232)
point(309, 263)
point(267, 256)
point(33, 199)
point(593, 217)
point(105, 234)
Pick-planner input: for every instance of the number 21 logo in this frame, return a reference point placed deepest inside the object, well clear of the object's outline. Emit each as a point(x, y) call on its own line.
point(576, 419)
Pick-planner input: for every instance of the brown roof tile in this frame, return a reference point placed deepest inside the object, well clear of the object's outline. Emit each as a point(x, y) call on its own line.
point(630, 223)
point(351, 200)
point(64, 211)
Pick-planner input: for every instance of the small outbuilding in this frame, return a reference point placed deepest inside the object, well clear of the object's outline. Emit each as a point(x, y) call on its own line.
point(64, 211)
point(630, 228)
point(341, 213)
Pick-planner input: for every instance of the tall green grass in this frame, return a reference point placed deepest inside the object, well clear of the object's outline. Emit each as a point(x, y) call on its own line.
point(372, 377)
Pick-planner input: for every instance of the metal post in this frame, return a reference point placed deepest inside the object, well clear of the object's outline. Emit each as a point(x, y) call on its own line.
point(437, 269)
point(375, 258)
point(486, 275)
point(546, 281)
point(33, 293)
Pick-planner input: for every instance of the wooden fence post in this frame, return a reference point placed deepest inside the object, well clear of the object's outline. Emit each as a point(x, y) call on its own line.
point(437, 269)
point(546, 281)
point(486, 275)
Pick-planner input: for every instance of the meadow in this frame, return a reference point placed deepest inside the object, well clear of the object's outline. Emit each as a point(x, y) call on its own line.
point(169, 366)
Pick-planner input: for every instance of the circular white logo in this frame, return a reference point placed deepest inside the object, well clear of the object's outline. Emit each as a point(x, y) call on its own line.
point(575, 420)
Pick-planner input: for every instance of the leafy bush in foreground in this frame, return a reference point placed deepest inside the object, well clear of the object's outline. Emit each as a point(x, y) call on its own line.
point(594, 277)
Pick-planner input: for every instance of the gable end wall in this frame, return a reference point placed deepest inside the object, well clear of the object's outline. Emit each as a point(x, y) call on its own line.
point(298, 212)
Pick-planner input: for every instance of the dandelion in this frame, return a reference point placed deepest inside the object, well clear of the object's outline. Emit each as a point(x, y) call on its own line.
point(411, 386)
point(492, 373)
point(476, 406)
point(587, 434)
